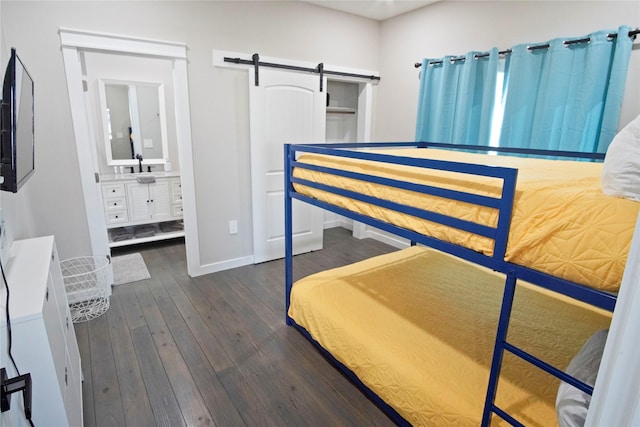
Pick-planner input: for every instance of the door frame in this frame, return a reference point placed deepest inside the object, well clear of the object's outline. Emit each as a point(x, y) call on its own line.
point(365, 98)
point(73, 43)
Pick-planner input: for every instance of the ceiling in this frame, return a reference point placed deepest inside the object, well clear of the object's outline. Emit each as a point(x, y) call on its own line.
point(373, 9)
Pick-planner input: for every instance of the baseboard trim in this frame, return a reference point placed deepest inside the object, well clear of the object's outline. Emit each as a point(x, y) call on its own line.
point(366, 232)
point(222, 265)
point(340, 222)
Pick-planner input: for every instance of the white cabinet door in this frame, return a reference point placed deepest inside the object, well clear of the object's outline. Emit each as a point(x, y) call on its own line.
point(149, 201)
point(160, 196)
point(138, 200)
point(286, 107)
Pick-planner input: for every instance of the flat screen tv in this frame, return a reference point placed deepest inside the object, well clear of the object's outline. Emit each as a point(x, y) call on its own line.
point(17, 159)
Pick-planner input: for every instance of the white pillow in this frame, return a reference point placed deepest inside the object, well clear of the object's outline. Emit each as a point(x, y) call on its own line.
point(571, 403)
point(621, 170)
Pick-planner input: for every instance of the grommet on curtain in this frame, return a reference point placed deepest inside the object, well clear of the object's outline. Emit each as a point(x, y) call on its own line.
point(568, 43)
point(538, 47)
point(611, 36)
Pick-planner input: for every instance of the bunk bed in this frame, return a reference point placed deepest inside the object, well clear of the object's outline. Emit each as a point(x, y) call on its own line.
point(476, 321)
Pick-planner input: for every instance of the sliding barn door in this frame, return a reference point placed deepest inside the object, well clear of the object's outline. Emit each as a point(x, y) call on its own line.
point(286, 107)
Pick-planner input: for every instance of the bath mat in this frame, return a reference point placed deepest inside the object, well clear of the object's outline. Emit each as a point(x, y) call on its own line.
point(129, 268)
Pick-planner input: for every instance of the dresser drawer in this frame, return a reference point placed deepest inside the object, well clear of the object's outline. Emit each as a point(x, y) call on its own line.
point(176, 210)
point(115, 204)
point(176, 191)
point(113, 191)
point(176, 186)
point(117, 217)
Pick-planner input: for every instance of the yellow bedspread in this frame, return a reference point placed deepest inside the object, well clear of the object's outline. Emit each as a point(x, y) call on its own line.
point(418, 326)
point(562, 223)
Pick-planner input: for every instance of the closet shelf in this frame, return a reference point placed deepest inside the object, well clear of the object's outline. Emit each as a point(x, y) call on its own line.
point(145, 233)
point(341, 110)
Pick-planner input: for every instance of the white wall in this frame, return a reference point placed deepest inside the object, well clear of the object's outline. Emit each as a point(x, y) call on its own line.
point(16, 208)
point(219, 108)
point(456, 27)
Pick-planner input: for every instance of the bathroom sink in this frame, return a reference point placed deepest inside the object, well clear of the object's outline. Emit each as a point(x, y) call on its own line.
point(143, 177)
point(146, 178)
point(157, 174)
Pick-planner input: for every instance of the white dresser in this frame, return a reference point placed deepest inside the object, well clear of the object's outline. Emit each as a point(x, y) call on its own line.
point(130, 204)
point(44, 341)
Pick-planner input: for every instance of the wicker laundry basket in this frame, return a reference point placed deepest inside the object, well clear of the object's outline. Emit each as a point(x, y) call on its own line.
point(85, 282)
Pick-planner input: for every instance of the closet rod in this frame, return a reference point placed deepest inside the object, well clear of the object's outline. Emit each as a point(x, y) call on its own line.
point(632, 34)
point(296, 68)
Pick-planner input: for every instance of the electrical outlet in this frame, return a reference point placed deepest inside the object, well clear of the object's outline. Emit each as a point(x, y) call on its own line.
point(233, 226)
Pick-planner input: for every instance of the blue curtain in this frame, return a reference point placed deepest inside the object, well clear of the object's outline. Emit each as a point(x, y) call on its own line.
point(456, 98)
point(566, 97)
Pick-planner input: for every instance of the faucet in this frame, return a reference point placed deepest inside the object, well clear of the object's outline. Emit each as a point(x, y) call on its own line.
point(139, 157)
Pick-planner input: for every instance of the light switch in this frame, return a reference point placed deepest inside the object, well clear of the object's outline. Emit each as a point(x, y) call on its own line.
point(233, 226)
point(147, 142)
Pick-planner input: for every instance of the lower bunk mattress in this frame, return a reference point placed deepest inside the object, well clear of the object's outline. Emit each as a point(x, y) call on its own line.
point(418, 326)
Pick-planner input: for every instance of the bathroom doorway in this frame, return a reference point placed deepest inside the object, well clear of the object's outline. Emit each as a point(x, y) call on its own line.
point(75, 46)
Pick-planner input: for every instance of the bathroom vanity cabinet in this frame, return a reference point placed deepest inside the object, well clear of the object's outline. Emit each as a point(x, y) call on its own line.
point(149, 202)
point(142, 207)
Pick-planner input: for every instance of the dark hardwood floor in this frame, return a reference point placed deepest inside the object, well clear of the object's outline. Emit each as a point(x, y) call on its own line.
point(214, 350)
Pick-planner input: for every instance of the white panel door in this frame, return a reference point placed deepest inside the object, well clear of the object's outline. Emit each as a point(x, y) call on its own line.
point(286, 107)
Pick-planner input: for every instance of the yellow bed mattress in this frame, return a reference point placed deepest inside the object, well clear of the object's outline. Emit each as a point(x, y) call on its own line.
point(417, 327)
point(562, 223)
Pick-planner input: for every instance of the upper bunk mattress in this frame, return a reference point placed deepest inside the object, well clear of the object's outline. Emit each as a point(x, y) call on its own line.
point(562, 223)
point(418, 327)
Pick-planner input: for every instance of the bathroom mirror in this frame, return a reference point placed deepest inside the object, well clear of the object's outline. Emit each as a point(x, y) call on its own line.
point(134, 122)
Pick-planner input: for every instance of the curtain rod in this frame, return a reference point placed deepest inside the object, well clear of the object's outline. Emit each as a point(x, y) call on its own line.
point(256, 63)
point(632, 34)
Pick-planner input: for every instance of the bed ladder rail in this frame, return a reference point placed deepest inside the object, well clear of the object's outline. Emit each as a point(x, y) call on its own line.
point(501, 345)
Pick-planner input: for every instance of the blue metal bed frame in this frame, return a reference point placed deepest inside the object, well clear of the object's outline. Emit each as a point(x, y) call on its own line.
point(499, 234)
